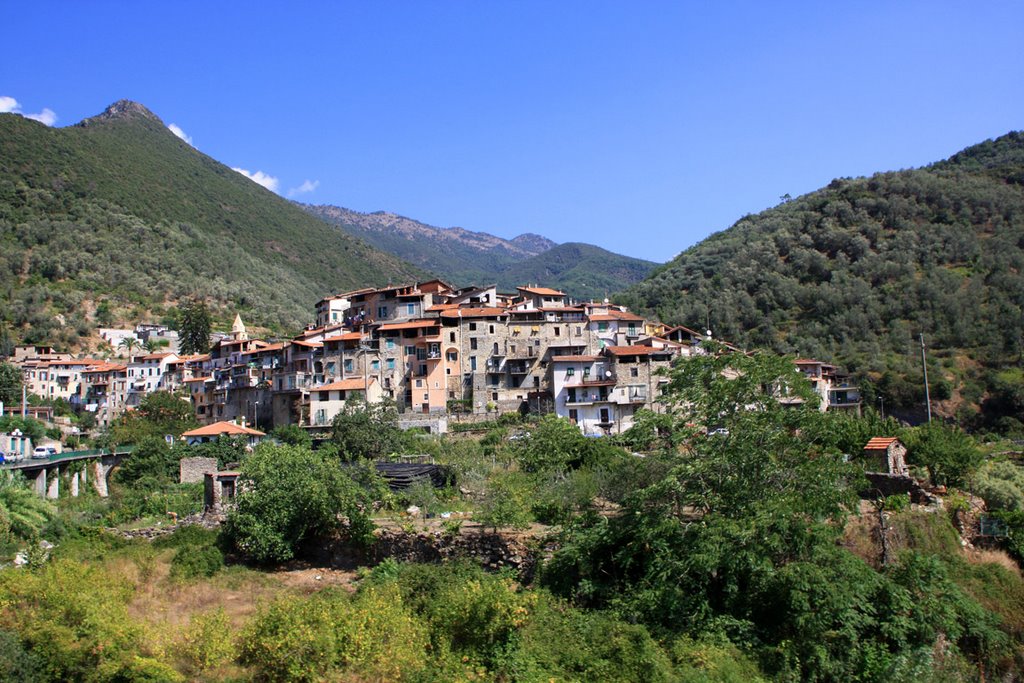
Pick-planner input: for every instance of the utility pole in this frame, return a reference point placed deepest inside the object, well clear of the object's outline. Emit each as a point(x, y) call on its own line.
point(927, 394)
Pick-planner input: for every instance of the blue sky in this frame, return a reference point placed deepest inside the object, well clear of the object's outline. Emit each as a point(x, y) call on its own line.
point(640, 127)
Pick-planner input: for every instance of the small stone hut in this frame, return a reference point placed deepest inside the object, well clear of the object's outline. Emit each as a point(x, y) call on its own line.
point(886, 454)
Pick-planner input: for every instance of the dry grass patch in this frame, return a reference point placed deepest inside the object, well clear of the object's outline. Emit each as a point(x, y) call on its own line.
point(981, 556)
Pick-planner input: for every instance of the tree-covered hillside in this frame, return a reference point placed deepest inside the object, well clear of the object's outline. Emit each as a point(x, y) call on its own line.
point(854, 272)
point(116, 219)
point(465, 257)
point(582, 270)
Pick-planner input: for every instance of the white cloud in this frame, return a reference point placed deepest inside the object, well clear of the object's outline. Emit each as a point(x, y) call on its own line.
point(47, 117)
point(176, 129)
point(260, 178)
point(305, 188)
point(9, 105)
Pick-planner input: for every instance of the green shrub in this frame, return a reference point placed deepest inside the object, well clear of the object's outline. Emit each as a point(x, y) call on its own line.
point(74, 618)
point(190, 562)
point(153, 499)
point(187, 535)
point(372, 635)
point(712, 660)
point(507, 502)
point(558, 642)
point(17, 664)
point(1001, 485)
point(289, 495)
point(207, 643)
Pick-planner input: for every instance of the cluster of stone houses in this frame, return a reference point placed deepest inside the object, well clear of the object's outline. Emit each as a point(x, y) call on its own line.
point(429, 347)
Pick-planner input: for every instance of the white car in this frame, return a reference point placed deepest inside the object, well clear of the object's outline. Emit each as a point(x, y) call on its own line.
point(40, 453)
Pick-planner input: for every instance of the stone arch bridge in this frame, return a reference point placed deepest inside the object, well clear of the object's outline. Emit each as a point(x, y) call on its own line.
point(75, 468)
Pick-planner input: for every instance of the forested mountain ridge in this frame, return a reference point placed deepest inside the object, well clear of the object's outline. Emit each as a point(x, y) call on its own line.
point(854, 272)
point(116, 219)
point(467, 257)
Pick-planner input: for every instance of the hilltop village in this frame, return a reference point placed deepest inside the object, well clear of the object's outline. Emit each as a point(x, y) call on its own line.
point(437, 352)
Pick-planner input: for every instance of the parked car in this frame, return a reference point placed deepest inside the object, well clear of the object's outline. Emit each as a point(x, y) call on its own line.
point(40, 453)
point(52, 450)
point(3, 458)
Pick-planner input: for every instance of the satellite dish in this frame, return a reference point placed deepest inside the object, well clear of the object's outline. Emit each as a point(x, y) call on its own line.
point(709, 334)
point(607, 373)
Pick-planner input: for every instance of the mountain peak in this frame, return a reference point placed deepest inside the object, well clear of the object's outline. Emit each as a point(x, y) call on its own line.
point(122, 110)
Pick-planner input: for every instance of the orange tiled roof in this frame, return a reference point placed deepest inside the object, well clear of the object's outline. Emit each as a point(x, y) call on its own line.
point(154, 356)
point(482, 312)
point(343, 385)
point(542, 291)
point(218, 428)
point(105, 367)
point(348, 336)
point(268, 347)
point(880, 443)
point(412, 325)
point(302, 342)
point(198, 379)
point(633, 350)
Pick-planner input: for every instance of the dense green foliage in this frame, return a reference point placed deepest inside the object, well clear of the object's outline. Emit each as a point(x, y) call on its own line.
point(22, 512)
point(854, 272)
point(367, 430)
point(462, 257)
point(426, 623)
point(10, 384)
point(738, 541)
point(194, 328)
point(159, 414)
point(581, 270)
point(288, 495)
point(121, 217)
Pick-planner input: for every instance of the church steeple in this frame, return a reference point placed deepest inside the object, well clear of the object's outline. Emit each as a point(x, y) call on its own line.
point(238, 331)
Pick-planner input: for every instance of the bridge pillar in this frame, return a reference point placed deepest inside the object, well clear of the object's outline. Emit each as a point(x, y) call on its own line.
point(53, 490)
point(40, 483)
point(83, 475)
point(74, 485)
point(99, 477)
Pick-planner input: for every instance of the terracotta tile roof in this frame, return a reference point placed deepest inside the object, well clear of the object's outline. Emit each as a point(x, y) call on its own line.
point(265, 349)
point(542, 291)
point(574, 359)
point(412, 325)
point(880, 443)
point(593, 383)
point(649, 341)
point(343, 385)
point(633, 350)
point(348, 336)
point(77, 361)
point(105, 367)
point(218, 428)
point(483, 312)
point(154, 356)
point(441, 307)
point(694, 333)
point(302, 342)
point(198, 379)
point(809, 361)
